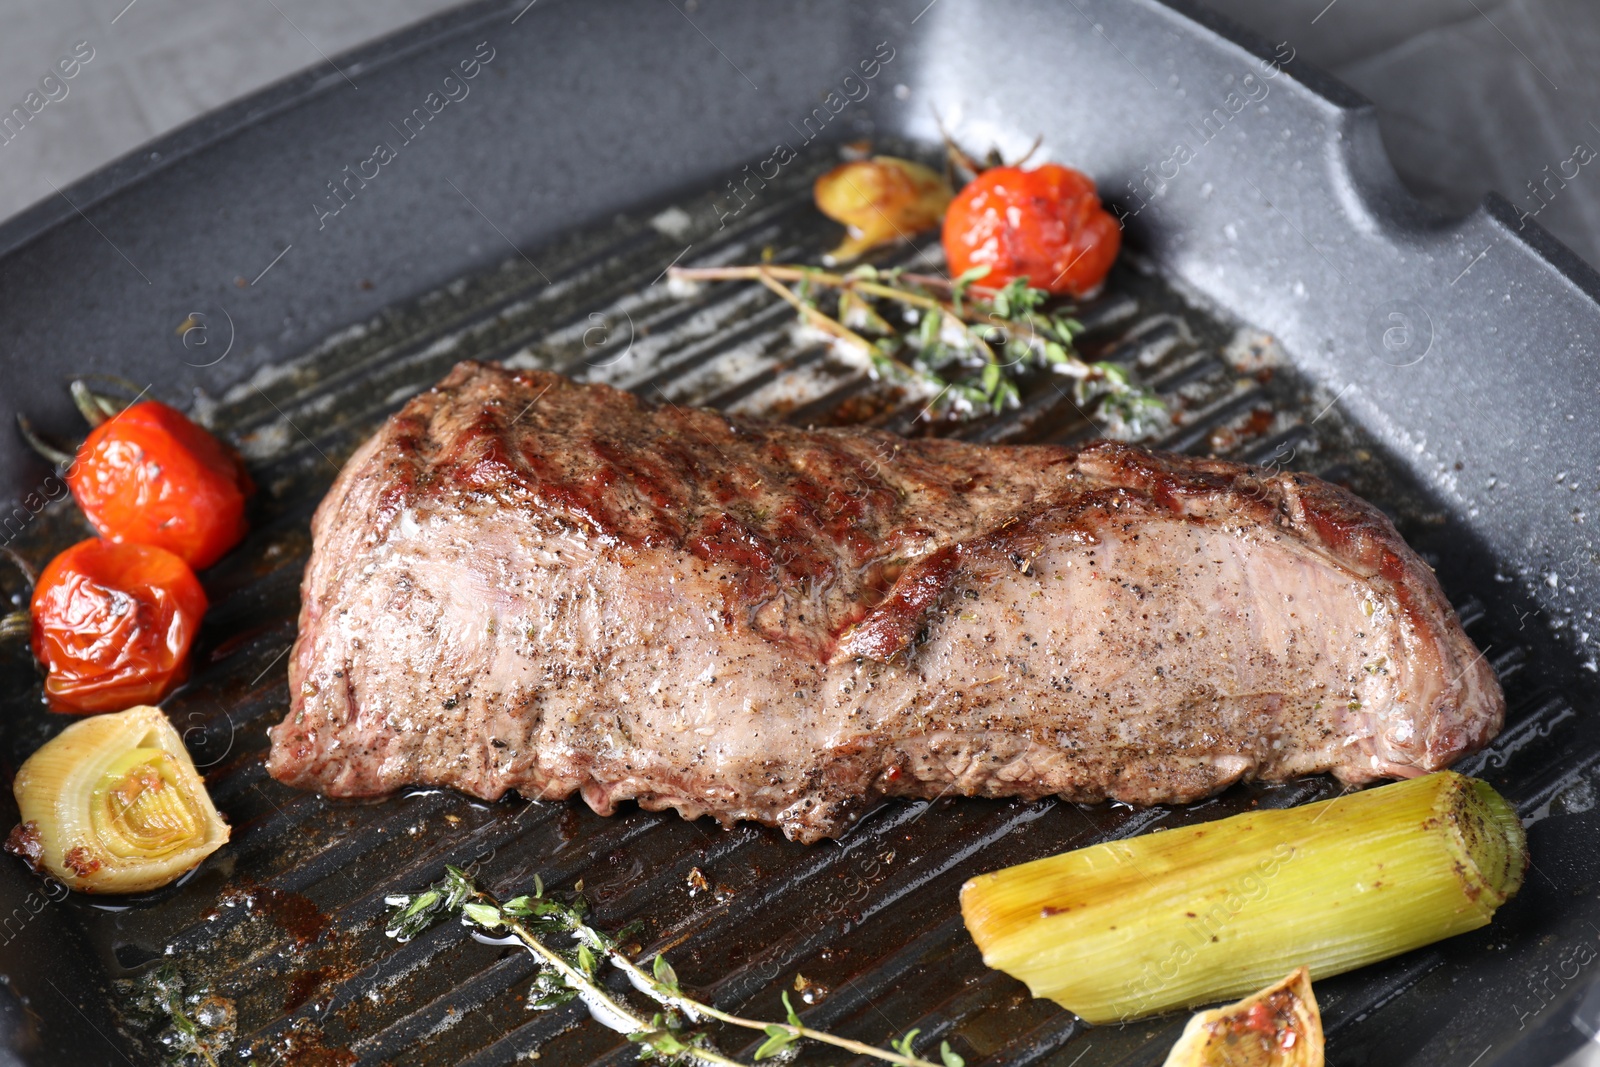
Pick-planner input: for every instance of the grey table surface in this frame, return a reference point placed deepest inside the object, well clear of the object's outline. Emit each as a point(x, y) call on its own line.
point(1473, 95)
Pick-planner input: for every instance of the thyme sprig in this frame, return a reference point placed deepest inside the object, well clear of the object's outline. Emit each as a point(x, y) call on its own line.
point(969, 345)
point(538, 919)
point(191, 1025)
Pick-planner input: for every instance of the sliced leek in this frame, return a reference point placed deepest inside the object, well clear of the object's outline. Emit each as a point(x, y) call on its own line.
point(113, 804)
point(1280, 1026)
point(1194, 915)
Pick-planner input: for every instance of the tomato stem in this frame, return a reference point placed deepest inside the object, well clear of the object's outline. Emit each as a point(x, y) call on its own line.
point(57, 458)
point(98, 407)
point(21, 564)
point(94, 408)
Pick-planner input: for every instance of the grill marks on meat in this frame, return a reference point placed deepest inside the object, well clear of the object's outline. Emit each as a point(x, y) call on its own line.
point(525, 583)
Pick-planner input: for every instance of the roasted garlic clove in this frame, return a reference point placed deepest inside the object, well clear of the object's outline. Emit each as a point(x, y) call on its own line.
point(1278, 1027)
point(113, 804)
point(880, 200)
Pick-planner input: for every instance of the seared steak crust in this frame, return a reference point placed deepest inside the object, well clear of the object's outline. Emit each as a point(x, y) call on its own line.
point(525, 583)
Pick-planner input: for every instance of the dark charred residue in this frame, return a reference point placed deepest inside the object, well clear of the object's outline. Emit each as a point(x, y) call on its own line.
point(305, 1045)
point(301, 984)
point(80, 861)
point(295, 914)
point(233, 643)
point(24, 841)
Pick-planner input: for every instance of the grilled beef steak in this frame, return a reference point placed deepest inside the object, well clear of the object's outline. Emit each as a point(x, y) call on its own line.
point(525, 583)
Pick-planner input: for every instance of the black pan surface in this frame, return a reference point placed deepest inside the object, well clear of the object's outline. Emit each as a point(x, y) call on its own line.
point(1292, 302)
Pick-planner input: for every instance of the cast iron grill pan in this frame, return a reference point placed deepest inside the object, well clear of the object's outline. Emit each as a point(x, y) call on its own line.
point(1477, 451)
point(286, 922)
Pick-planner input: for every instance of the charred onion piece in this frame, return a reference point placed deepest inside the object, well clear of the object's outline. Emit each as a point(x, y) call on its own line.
point(113, 804)
point(1278, 1027)
point(881, 200)
point(1124, 929)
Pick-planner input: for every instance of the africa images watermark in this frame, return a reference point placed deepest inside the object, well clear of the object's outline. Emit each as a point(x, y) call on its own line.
point(852, 89)
point(1568, 966)
point(453, 90)
point(1252, 90)
point(55, 486)
point(35, 902)
point(1205, 929)
point(1544, 190)
point(53, 89)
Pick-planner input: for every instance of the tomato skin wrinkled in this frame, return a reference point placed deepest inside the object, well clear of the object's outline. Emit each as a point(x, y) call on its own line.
point(149, 475)
point(112, 624)
point(1044, 224)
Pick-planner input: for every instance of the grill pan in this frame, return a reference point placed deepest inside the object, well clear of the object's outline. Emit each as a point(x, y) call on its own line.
point(1280, 289)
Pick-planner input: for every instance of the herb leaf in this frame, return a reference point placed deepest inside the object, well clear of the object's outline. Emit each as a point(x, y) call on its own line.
point(663, 972)
point(777, 1040)
point(565, 974)
point(958, 288)
point(970, 346)
point(903, 1046)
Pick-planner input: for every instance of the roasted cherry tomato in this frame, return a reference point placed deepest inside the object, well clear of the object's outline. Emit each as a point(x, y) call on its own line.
point(112, 623)
point(1044, 224)
point(150, 475)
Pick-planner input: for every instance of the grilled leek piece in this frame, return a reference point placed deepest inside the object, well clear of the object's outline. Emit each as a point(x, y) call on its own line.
point(1195, 915)
point(1278, 1027)
point(113, 804)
